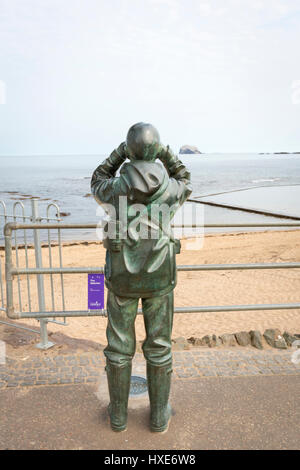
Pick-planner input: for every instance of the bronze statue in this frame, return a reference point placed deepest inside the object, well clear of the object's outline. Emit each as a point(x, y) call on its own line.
point(140, 264)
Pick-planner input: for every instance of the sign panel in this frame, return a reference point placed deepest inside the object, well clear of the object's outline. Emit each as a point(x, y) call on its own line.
point(95, 291)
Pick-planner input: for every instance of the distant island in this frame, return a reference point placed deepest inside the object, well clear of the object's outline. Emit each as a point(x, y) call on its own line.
point(189, 149)
point(280, 153)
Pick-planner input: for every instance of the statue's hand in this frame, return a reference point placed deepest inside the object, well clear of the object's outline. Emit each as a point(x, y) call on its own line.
point(121, 151)
point(117, 157)
point(167, 157)
point(173, 165)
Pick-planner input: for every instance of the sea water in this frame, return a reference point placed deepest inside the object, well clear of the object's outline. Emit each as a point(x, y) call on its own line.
point(264, 182)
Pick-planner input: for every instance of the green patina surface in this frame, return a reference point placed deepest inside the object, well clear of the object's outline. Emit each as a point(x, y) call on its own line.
point(140, 263)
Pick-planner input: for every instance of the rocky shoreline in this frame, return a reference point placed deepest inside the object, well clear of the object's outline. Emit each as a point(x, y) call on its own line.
point(271, 337)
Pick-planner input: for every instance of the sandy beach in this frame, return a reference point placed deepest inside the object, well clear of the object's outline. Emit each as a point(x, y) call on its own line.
point(193, 288)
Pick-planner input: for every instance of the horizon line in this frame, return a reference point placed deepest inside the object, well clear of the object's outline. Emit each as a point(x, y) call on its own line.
point(108, 153)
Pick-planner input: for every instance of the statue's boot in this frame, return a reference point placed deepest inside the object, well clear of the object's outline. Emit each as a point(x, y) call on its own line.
point(118, 379)
point(159, 383)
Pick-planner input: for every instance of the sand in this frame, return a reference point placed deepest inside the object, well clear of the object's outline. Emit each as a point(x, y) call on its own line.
point(193, 288)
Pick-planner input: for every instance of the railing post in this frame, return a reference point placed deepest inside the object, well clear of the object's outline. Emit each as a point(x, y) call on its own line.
point(8, 276)
point(45, 343)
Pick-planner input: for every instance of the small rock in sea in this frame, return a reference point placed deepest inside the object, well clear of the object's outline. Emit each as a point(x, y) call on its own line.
point(243, 338)
point(271, 336)
point(63, 214)
point(87, 195)
point(228, 339)
point(289, 339)
point(256, 339)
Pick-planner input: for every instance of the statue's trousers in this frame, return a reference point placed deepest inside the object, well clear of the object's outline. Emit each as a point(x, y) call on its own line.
point(158, 318)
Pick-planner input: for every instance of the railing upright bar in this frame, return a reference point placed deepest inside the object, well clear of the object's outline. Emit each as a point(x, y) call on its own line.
point(26, 259)
point(60, 260)
point(45, 343)
point(4, 211)
point(8, 274)
point(50, 266)
point(61, 274)
point(1, 286)
point(61, 265)
point(5, 220)
point(17, 252)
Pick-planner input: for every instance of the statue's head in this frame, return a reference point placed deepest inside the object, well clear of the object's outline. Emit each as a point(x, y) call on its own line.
point(143, 142)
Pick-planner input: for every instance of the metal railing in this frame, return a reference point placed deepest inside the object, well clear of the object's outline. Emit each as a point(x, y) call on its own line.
point(39, 271)
point(34, 217)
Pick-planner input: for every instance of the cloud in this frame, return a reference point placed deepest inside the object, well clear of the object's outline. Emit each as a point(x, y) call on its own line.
point(73, 62)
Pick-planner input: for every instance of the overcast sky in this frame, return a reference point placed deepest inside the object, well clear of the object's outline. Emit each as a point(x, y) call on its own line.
point(223, 75)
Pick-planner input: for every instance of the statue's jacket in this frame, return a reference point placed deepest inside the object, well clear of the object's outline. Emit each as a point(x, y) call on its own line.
point(141, 202)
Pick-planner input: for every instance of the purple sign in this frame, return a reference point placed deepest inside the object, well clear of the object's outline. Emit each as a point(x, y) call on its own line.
point(95, 291)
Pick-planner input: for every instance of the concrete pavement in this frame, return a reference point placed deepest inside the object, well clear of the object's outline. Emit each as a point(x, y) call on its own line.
point(249, 412)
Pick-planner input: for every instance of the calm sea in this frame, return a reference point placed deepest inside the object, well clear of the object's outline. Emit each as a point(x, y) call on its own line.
point(263, 182)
